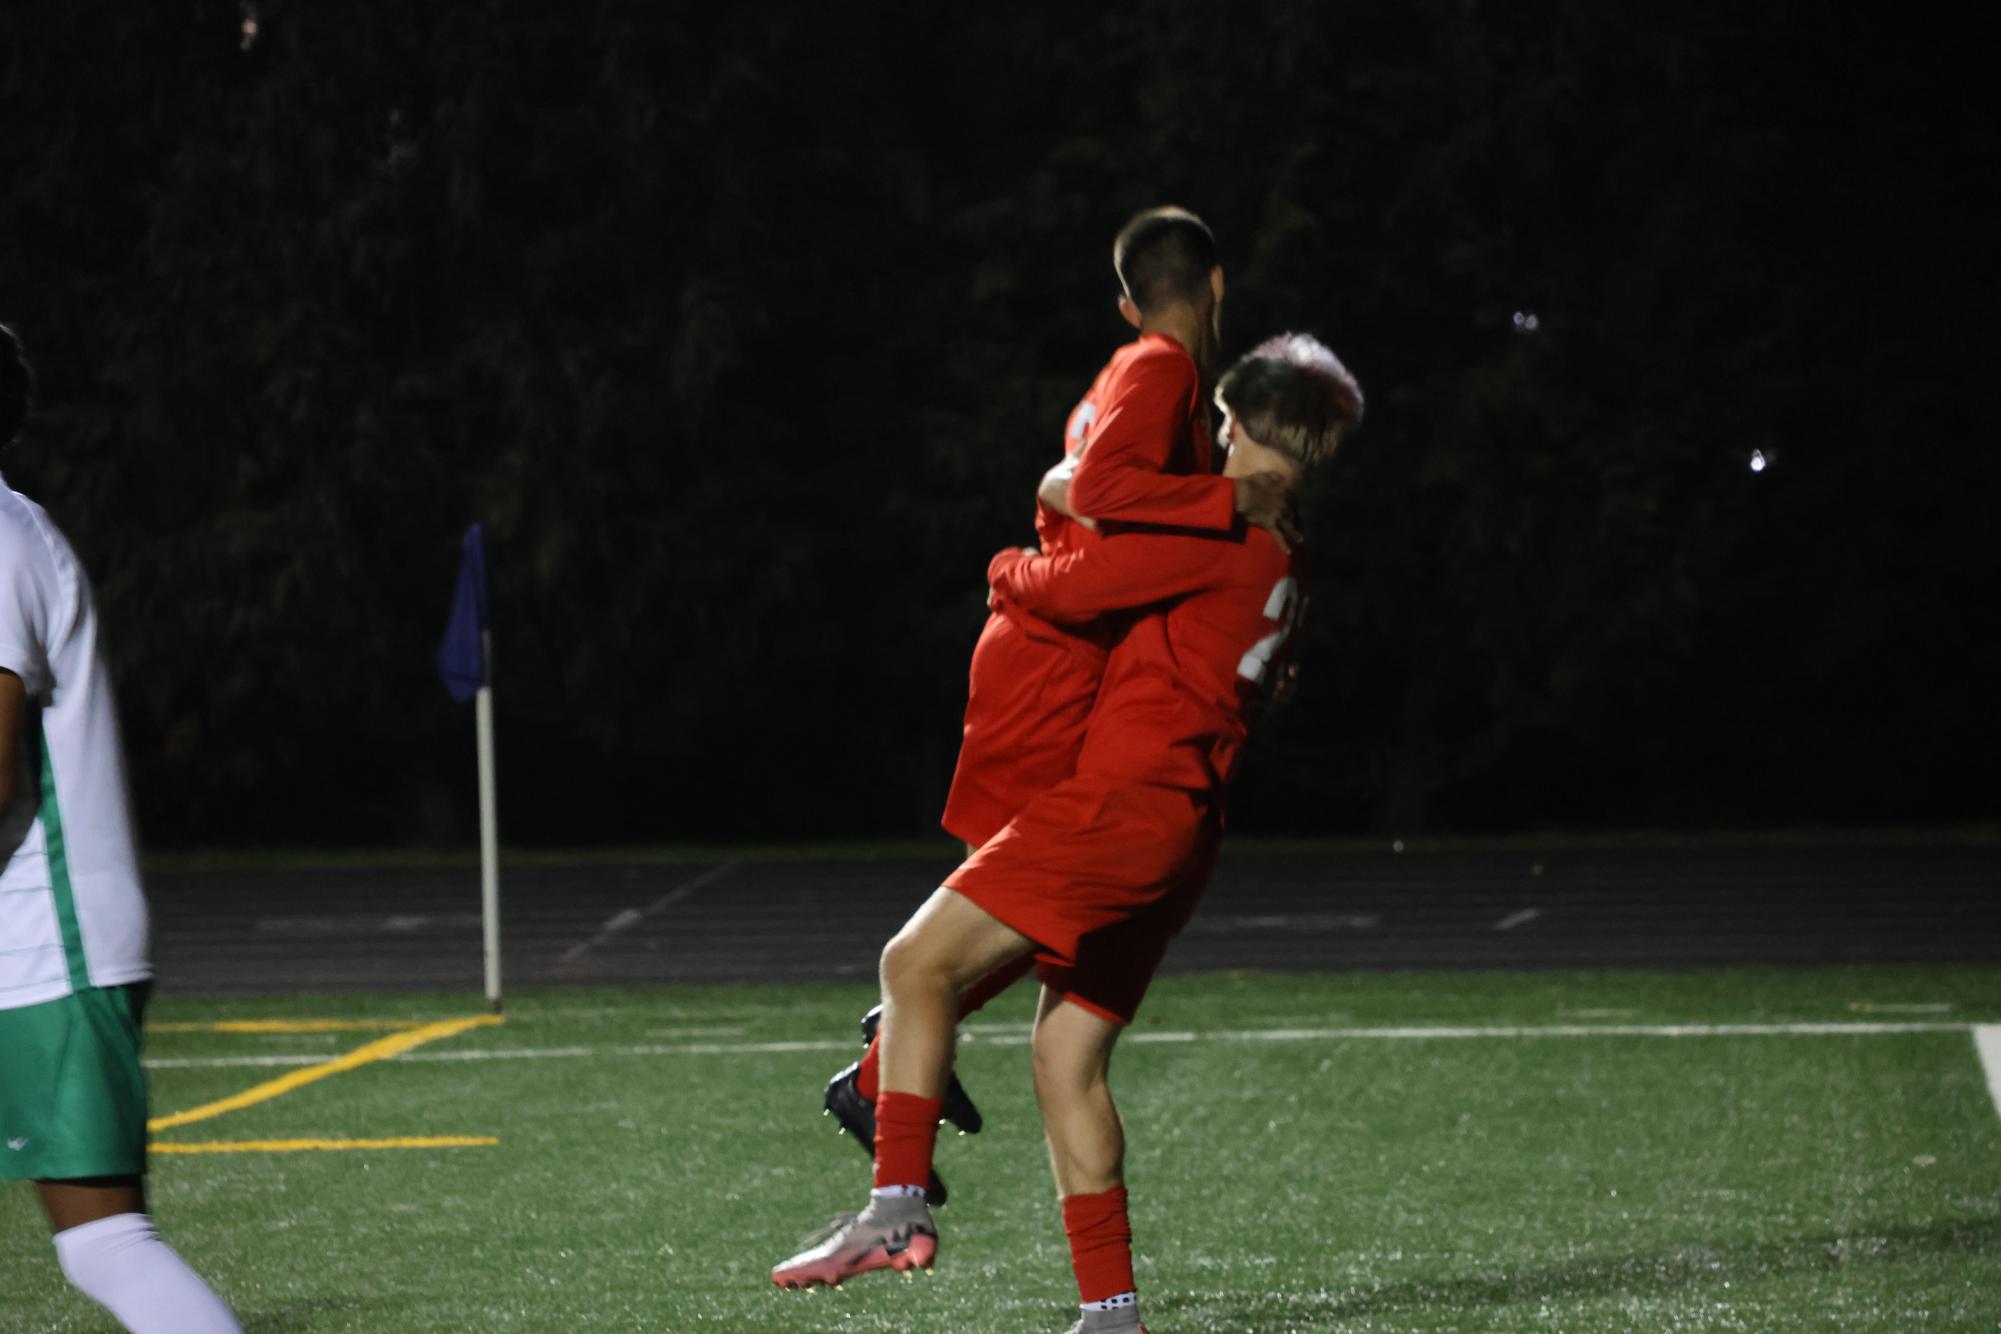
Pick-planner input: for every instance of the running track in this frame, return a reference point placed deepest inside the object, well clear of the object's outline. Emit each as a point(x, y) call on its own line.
point(797, 921)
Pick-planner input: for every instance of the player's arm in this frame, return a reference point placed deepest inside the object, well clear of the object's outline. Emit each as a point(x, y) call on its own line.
point(22, 665)
point(21, 661)
point(1122, 475)
point(1130, 570)
point(13, 710)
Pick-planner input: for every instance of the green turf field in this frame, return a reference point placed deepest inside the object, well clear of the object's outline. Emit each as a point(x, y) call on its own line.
point(1304, 1157)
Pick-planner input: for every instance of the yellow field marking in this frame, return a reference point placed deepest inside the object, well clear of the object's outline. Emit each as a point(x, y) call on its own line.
point(381, 1049)
point(318, 1145)
point(289, 1027)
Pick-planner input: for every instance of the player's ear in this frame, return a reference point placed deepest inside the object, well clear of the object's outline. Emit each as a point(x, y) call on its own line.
point(1216, 284)
point(1130, 309)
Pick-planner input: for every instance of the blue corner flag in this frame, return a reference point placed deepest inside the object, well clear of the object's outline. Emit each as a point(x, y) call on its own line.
point(462, 655)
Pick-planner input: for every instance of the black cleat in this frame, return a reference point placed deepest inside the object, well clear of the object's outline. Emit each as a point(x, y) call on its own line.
point(958, 1106)
point(856, 1114)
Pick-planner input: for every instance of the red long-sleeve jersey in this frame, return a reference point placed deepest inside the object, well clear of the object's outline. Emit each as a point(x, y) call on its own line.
point(1142, 426)
point(1174, 704)
point(1148, 456)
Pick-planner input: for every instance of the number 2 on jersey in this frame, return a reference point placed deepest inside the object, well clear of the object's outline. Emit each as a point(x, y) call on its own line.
point(1283, 606)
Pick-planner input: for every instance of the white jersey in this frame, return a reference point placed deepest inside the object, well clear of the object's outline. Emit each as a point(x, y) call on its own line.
point(72, 913)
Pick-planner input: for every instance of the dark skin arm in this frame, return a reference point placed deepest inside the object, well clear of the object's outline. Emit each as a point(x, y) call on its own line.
point(13, 709)
point(67, 1203)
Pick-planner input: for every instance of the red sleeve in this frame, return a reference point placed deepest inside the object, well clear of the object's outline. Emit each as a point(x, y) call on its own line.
point(1122, 475)
point(1129, 570)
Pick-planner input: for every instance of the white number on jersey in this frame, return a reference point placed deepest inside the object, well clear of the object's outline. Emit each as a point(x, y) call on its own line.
point(1081, 421)
point(1283, 607)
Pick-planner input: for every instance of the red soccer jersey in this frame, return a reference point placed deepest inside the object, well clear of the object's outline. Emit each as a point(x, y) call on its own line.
point(1032, 682)
point(1103, 869)
point(1174, 704)
point(1056, 531)
point(1148, 457)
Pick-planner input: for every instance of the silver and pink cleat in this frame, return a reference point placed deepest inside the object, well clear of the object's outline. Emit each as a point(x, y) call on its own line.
point(890, 1234)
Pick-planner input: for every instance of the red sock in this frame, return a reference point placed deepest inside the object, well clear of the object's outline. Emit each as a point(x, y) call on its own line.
point(868, 1073)
point(1101, 1244)
point(906, 1130)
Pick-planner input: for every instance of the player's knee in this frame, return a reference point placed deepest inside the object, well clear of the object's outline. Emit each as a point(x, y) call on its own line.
point(1063, 1071)
point(906, 962)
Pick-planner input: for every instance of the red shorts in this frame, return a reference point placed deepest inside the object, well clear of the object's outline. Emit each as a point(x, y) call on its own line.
point(1101, 874)
point(1028, 699)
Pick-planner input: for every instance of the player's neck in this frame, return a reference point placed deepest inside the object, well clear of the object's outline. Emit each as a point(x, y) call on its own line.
point(1184, 324)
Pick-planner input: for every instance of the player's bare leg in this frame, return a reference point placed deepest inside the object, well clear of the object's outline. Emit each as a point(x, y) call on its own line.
point(73, 1203)
point(948, 945)
point(1072, 1062)
point(851, 1094)
point(1087, 1148)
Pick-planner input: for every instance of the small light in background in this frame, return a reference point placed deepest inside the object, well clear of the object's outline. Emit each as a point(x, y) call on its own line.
point(1526, 322)
point(249, 25)
point(1758, 461)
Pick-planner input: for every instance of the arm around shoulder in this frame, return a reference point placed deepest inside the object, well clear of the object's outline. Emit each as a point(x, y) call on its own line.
point(1122, 474)
point(1131, 570)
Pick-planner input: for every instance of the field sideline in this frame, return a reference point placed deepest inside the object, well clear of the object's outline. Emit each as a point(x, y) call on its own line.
point(1715, 1149)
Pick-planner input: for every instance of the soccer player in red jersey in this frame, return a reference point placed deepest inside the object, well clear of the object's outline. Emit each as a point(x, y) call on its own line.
point(1136, 450)
point(1095, 876)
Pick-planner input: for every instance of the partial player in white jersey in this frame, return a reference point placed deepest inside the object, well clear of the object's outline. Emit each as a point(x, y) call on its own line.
point(73, 967)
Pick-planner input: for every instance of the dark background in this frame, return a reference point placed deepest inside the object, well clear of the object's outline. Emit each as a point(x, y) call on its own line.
point(747, 330)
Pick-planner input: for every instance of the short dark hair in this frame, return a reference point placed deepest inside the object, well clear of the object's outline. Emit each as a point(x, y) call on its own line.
point(1164, 255)
point(1292, 394)
point(17, 383)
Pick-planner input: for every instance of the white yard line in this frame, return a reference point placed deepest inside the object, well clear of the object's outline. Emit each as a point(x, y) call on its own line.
point(631, 917)
point(1988, 1036)
point(1515, 919)
point(1424, 1032)
point(1987, 1041)
point(229, 1062)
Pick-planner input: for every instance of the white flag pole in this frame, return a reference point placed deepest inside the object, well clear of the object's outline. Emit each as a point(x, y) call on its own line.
point(489, 829)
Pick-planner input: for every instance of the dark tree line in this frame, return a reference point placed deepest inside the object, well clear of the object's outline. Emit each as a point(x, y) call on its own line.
point(746, 330)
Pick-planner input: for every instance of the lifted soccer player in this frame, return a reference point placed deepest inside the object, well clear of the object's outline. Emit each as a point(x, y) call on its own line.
point(1093, 878)
point(1136, 450)
point(73, 969)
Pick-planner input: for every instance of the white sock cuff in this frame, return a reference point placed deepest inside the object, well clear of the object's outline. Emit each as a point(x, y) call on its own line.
point(1120, 1302)
point(102, 1235)
point(897, 1192)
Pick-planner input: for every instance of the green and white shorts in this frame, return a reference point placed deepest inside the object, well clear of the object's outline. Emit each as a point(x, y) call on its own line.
point(72, 1092)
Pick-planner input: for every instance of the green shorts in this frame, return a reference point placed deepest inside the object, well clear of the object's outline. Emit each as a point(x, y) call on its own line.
point(72, 1092)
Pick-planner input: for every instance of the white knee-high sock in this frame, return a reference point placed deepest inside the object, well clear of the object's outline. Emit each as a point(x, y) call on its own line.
point(120, 1263)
